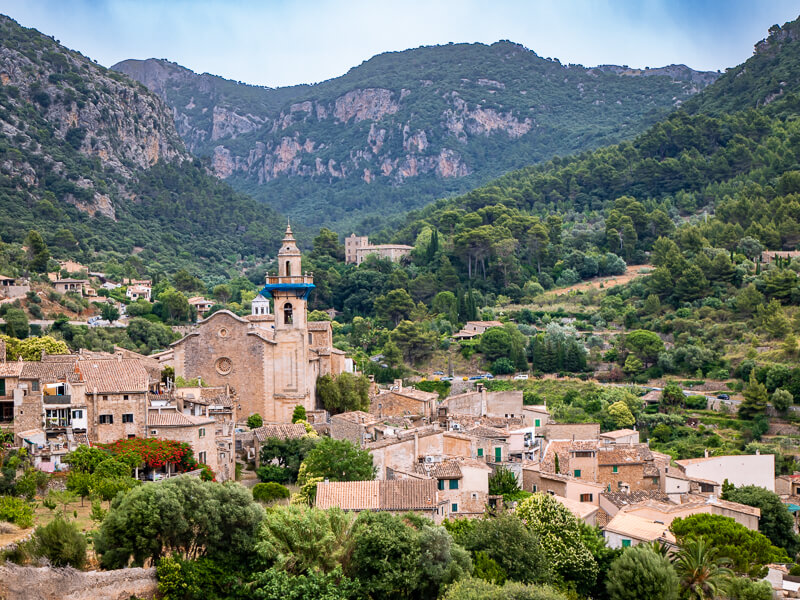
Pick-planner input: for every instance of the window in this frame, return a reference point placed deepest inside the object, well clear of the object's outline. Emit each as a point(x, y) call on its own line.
point(288, 268)
point(106, 419)
point(202, 457)
point(615, 469)
point(127, 418)
point(77, 414)
point(201, 432)
point(310, 338)
point(453, 484)
point(480, 452)
point(105, 398)
point(154, 432)
point(535, 488)
point(35, 385)
point(287, 314)
point(584, 454)
point(498, 454)
point(454, 507)
point(125, 396)
point(440, 484)
point(577, 472)
point(626, 543)
point(538, 422)
point(586, 497)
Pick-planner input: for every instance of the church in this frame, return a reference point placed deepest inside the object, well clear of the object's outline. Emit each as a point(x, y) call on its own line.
point(271, 359)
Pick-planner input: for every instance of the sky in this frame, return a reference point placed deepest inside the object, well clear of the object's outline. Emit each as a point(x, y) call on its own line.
point(284, 42)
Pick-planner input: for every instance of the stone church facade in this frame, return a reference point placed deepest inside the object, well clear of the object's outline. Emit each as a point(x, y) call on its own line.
point(271, 360)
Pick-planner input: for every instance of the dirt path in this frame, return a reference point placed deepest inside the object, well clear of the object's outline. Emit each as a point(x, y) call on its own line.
point(631, 272)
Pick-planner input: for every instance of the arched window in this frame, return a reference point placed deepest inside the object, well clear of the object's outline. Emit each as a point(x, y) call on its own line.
point(288, 268)
point(287, 313)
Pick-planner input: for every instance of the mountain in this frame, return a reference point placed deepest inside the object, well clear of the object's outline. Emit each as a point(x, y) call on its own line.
point(92, 160)
point(404, 128)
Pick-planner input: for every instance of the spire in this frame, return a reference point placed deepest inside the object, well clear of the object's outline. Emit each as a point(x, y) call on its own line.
point(288, 236)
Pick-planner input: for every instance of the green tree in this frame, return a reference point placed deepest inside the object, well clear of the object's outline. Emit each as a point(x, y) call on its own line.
point(782, 400)
point(86, 458)
point(17, 323)
point(395, 306)
point(776, 522)
point(560, 535)
point(503, 482)
point(633, 366)
point(642, 573)
point(477, 589)
point(299, 413)
point(515, 548)
point(270, 492)
point(327, 244)
point(755, 399)
point(415, 341)
point(183, 515)
point(703, 573)
point(749, 551)
point(671, 397)
point(300, 539)
point(343, 393)
point(339, 460)
point(109, 312)
point(645, 345)
point(37, 252)
point(222, 293)
point(255, 421)
point(621, 415)
point(61, 542)
point(287, 456)
point(495, 343)
point(744, 588)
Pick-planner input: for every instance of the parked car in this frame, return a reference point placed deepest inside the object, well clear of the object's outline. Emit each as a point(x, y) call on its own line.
point(521, 376)
point(446, 379)
point(723, 397)
point(474, 377)
point(438, 372)
point(489, 376)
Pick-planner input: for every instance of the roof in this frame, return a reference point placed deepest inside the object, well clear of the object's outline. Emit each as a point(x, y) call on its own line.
point(356, 416)
point(620, 499)
point(582, 510)
point(416, 394)
point(395, 495)
point(113, 375)
point(319, 325)
point(628, 455)
point(441, 470)
point(173, 418)
point(52, 368)
point(71, 281)
point(287, 431)
point(562, 449)
point(194, 300)
point(487, 432)
point(693, 461)
point(639, 528)
point(485, 323)
point(619, 433)
point(11, 368)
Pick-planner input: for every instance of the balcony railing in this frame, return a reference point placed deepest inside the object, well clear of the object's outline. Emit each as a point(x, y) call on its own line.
point(60, 399)
point(292, 279)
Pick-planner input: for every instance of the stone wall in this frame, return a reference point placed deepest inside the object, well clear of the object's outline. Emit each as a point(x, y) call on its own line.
point(572, 431)
point(47, 583)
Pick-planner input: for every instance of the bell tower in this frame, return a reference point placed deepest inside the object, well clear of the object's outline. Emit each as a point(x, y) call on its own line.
point(292, 375)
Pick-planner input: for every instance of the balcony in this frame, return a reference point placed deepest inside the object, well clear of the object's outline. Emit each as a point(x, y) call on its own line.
point(60, 399)
point(291, 279)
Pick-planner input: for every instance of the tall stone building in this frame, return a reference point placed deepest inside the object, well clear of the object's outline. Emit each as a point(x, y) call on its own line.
point(271, 360)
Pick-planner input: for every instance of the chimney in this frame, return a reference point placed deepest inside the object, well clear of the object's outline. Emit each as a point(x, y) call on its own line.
point(398, 383)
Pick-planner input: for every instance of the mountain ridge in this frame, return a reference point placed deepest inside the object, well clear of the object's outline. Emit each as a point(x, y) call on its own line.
point(403, 128)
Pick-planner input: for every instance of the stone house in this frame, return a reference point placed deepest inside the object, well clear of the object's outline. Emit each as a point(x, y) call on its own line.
point(620, 436)
point(395, 496)
point(537, 416)
point(407, 448)
point(288, 431)
point(402, 401)
point(358, 248)
point(462, 482)
point(475, 328)
point(202, 305)
point(135, 292)
point(13, 288)
point(627, 530)
point(483, 403)
point(76, 286)
point(564, 486)
point(572, 431)
point(584, 511)
point(356, 426)
point(272, 361)
point(198, 432)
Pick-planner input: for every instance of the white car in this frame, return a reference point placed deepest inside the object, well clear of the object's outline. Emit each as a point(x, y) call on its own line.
point(521, 376)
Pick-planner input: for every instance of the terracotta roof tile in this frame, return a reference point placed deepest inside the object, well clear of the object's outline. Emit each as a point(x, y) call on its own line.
point(52, 369)
point(487, 432)
point(639, 528)
point(113, 375)
point(628, 455)
point(173, 418)
point(620, 499)
point(11, 369)
point(618, 433)
point(394, 495)
point(440, 470)
point(288, 431)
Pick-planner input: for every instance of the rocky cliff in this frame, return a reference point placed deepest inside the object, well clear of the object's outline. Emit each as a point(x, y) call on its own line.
point(415, 124)
point(60, 98)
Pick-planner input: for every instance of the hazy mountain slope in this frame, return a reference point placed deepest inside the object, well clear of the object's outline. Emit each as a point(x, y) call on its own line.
point(92, 160)
point(406, 127)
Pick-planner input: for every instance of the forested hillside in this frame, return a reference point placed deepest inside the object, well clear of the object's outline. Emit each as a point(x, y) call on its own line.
point(92, 161)
point(406, 127)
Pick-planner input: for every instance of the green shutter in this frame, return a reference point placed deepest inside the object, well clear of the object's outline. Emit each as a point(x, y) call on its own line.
point(480, 452)
point(454, 484)
point(498, 454)
point(538, 422)
point(2, 386)
point(454, 507)
point(577, 472)
point(440, 484)
point(626, 543)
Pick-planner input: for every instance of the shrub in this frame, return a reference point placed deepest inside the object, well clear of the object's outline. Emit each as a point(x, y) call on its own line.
point(696, 402)
point(17, 511)
point(61, 542)
point(255, 421)
point(270, 492)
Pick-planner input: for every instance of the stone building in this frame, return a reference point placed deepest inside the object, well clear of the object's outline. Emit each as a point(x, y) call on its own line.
point(271, 360)
point(357, 248)
point(397, 496)
point(401, 401)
